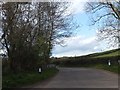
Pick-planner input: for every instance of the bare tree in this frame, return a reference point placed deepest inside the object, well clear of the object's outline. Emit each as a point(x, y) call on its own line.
point(107, 16)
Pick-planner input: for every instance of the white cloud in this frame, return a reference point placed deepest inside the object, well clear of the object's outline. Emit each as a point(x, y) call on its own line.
point(77, 46)
point(76, 6)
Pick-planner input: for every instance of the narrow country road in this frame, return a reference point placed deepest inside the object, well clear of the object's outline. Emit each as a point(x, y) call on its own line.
point(80, 78)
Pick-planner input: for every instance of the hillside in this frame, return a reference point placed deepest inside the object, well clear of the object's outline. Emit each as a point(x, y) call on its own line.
point(110, 53)
point(107, 54)
point(95, 60)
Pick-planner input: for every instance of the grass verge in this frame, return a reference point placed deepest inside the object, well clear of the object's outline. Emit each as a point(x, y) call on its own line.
point(112, 68)
point(17, 80)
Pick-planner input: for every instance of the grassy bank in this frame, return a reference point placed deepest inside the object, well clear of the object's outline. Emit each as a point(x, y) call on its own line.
point(17, 80)
point(112, 68)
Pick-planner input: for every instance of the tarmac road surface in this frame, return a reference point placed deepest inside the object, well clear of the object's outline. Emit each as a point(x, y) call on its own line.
point(80, 78)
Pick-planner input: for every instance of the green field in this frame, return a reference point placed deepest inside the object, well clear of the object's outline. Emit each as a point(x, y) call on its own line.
point(111, 53)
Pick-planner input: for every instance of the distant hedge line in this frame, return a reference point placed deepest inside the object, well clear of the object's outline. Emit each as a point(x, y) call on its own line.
point(76, 61)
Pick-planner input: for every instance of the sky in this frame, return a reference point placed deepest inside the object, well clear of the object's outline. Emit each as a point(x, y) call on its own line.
point(84, 39)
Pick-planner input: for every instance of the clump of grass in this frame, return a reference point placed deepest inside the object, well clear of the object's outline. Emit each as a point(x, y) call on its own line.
point(17, 80)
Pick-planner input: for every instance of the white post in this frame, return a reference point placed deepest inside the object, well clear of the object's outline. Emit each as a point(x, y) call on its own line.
point(39, 70)
point(109, 63)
